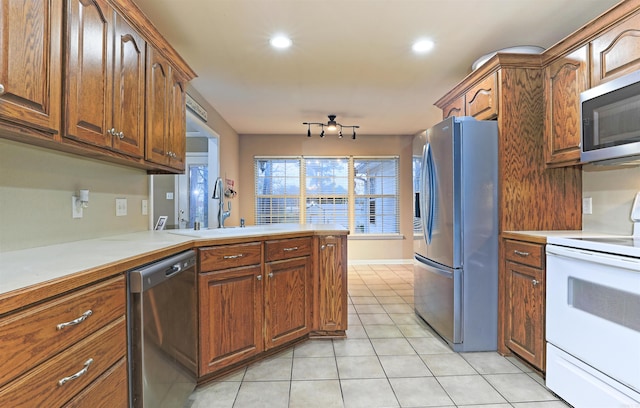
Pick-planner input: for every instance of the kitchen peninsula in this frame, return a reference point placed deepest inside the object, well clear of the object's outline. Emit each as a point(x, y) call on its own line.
point(303, 293)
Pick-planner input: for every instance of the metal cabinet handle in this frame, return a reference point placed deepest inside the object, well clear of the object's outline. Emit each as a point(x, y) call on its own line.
point(290, 249)
point(327, 246)
point(78, 374)
point(535, 282)
point(259, 277)
point(111, 132)
point(1, 89)
point(121, 135)
point(270, 274)
point(520, 253)
point(233, 256)
point(73, 322)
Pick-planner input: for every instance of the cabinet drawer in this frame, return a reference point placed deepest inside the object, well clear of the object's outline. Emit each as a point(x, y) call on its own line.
point(482, 99)
point(526, 253)
point(30, 337)
point(41, 387)
point(287, 248)
point(229, 256)
point(108, 391)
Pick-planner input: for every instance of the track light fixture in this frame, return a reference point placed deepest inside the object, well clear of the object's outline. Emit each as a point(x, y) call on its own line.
point(331, 126)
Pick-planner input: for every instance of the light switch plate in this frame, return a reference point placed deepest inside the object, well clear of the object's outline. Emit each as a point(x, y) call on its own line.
point(587, 205)
point(121, 207)
point(145, 207)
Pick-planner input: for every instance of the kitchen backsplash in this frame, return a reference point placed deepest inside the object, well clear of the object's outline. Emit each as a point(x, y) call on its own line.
point(612, 190)
point(36, 186)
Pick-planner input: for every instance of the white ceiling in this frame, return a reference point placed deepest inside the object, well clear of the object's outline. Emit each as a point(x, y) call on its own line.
point(351, 58)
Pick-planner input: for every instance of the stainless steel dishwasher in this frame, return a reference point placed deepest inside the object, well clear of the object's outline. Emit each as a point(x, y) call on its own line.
point(162, 325)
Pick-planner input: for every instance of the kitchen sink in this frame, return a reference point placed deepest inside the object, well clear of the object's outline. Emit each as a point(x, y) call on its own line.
point(235, 231)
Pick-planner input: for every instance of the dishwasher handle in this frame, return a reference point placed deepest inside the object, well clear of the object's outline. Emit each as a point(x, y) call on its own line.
point(146, 277)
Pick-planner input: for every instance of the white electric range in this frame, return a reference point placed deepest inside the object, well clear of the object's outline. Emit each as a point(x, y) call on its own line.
point(593, 320)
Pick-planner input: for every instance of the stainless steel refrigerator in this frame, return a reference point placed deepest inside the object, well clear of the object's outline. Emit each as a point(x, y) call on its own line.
point(456, 239)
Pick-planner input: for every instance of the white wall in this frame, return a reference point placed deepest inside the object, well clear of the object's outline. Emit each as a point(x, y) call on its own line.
point(36, 186)
point(612, 190)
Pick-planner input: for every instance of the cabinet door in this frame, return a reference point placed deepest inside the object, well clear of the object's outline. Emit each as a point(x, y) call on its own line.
point(525, 312)
point(287, 299)
point(616, 52)
point(564, 80)
point(177, 123)
point(231, 307)
point(331, 293)
point(88, 77)
point(157, 123)
point(482, 98)
point(455, 108)
point(30, 62)
point(128, 89)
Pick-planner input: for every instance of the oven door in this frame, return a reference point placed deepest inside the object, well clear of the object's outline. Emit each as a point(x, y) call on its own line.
point(593, 301)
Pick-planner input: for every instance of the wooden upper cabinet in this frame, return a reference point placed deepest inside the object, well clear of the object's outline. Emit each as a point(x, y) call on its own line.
point(157, 123)
point(104, 89)
point(89, 68)
point(564, 80)
point(128, 89)
point(455, 108)
point(482, 98)
point(30, 64)
point(177, 122)
point(616, 52)
point(166, 113)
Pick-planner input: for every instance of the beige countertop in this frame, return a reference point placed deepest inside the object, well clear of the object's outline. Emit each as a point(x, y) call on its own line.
point(84, 261)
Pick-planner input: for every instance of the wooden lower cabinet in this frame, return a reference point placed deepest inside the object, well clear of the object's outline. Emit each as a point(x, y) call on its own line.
point(331, 295)
point(287, 300)
point(261, 295)
point(525, 301)
point(231, 316)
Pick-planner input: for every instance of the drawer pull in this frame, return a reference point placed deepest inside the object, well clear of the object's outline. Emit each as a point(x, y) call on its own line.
point(290, 249)
point(75, 321)
point(521, 253)
point(535, 282)
point(76, 375)
point(233, 256)
point(327, 246)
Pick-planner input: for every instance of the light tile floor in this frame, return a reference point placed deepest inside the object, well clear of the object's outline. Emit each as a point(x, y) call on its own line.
point(390, 358)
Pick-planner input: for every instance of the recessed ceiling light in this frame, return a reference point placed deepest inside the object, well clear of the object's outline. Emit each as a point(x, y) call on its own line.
point(280, 41)
point(422, 46)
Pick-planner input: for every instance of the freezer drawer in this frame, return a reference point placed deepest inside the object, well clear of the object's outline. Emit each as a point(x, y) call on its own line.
point(438, 298)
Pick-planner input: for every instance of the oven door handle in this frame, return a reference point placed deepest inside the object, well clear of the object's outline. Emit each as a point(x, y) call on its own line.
point(620, 261)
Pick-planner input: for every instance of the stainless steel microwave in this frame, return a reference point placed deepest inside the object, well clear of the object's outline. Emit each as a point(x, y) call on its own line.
point(610, 117)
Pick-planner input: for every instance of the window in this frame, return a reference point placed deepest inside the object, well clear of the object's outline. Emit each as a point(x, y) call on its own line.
point(277, 190)
point(327, 190)
point(375, 187)
point(360, 193)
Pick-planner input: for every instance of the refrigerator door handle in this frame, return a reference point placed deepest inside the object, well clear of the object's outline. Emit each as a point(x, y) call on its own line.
point(432, 192)
point(423, 194)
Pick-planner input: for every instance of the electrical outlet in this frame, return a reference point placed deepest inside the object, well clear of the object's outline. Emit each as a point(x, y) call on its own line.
point(145, 207)
point(587, 205)
point(76, 210)
point(121, 207)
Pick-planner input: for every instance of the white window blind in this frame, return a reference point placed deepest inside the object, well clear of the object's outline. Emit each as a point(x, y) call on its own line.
point(327, 190)
point(277, 182)
point(376, 196)
point(360, 193)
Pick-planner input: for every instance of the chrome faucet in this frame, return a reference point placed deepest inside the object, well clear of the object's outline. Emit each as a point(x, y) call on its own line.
point(218, 194)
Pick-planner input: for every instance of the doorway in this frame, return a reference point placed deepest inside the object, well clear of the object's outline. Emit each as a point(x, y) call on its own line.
point(186, 198)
